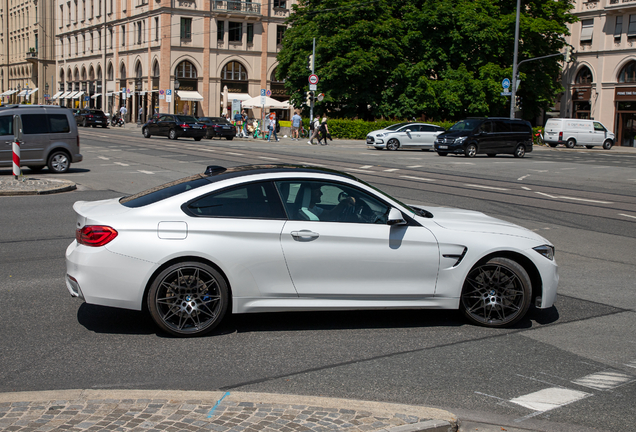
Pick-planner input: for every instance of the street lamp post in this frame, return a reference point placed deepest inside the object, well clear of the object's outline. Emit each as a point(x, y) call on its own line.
point(514, 64)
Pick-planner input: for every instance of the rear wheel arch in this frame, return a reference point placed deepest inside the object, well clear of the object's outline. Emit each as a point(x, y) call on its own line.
point(187, 258)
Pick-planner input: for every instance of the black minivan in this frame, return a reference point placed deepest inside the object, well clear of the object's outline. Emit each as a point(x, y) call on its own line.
point(489, 136)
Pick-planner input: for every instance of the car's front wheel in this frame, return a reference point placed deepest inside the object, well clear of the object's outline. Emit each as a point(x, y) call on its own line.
point(197, 138)
point(188, 299)
point(496, 293)
point(172, 134)
point(392, 144)
point(146, 133)
point(520, 151)
point(59, 162)
point(439, 153)
point(471, 150)
point(608, 144)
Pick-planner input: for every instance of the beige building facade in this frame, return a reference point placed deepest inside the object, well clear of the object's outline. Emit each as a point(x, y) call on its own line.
point(167, 56)
point(601, 83)
point(27, 50)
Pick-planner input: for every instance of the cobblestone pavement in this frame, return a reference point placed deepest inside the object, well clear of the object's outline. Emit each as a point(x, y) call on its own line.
point(28, 185)
point(210, 411)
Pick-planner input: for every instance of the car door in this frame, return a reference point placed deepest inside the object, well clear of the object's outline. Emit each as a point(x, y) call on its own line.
point(410, 136)
point(355, 254)
point(164, 124)
point(6, 139)
point(599, 133)
point(429, 133)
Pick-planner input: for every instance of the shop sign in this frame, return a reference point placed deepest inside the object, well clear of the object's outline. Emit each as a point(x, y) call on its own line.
point(625, 93)
point(581, 93)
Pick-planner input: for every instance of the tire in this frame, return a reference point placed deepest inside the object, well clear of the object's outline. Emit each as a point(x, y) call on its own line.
point(553, 145)
point(84, 124)
point(146, 132)
point(496, 293)
point(441, 153)
point(59, 162)
point(94, 125)
point(229, 138)
point(172, 134)
point(198, 138)
point(608, 144)
point(188, 299)
point(392, 144)
point(520, 151)
point(590, 147)
point(470, 151)
point(105, 125)
point(492, 154)
point(571, 143)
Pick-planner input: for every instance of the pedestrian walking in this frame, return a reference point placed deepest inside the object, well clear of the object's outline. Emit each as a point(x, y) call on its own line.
point(122, 112)
point(314, 129)
point(244, 117)
point(272, 127)
point(324, 132)
point(140, 113)
point(295, 126)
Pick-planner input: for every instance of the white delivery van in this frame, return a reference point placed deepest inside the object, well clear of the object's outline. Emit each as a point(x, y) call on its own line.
point(571, 132)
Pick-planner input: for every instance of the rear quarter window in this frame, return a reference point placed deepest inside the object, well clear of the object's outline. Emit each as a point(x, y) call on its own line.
point(58, 123)
point(34, 124)
point(6, 125)
point(162, 192)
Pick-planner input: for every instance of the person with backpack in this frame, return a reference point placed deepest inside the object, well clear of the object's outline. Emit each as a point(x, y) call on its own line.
point(314, 130)
point(324, 132)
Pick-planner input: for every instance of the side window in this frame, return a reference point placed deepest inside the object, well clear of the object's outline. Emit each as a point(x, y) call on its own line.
point(58, 123)
point(165, 118)
point(34, 124)
point(330, 202)
point(485, 127)
point(6, 125)
point(254, 200)
point(501, 126)
point(519, 127)
point(599, 127)
point(425, 128)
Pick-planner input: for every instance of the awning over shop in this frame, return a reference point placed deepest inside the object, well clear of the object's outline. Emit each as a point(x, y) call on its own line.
point(23, 92)
point(268, 103)
point(56, 95)
point(30, 92)
point(70, 95)
point(8, 93)
point(238, 96)
point(189, 95)
point(78, 94)
point(95, 96)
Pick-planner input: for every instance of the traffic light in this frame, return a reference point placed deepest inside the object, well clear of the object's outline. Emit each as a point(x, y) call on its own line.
point(518, 101)
point(310, 62)
point(567, 57)
point(309, 98)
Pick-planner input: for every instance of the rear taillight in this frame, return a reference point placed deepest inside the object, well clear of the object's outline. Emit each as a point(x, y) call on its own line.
point(95, 235)
point(184, 126)
point(560, 136)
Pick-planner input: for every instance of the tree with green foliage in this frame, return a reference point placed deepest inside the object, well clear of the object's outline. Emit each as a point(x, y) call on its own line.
point(443, 59)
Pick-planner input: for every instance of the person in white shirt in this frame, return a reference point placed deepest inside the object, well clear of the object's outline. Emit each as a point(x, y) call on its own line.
point(122, 113)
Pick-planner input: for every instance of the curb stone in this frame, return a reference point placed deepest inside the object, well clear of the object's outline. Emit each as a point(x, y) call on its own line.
point(34, 186)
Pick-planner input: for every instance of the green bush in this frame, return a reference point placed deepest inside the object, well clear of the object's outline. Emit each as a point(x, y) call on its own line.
point(358, 129)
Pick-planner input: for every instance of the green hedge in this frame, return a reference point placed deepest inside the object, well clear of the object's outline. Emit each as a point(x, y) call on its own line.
point(358, 129)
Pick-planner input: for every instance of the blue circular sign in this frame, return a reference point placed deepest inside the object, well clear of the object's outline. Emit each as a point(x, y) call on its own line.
point(505, 83)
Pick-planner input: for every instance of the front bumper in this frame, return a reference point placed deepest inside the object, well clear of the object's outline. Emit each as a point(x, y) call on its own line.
point(449, 148)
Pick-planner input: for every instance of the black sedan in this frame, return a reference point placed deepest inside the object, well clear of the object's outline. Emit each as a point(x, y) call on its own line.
point(218, 127)
point(91, 117)
point(174, 126)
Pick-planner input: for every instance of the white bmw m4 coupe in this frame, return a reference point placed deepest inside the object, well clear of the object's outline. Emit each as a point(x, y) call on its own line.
point(265, 238)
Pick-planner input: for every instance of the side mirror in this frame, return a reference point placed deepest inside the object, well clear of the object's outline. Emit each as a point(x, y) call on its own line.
point(408, 131)
point(395, 217)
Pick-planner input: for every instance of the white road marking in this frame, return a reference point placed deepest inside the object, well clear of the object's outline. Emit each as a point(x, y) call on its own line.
point(391, 169)
point(605, 380)
point(485, 187)
point(522, 177)
point(103, 157)
point(574, 199)
point(629, 216)
point(207, 150)
point(415, 166)
point(268, 158)
point(366, 167)
point(359, 170)
point(549, 399)
point(236, 154)
point(631, 364)
point(121, 163)
point(525, 188)
point(145, 172)
point(417, 178)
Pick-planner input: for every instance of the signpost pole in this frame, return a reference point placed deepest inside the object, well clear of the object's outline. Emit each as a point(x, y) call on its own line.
point(313, 71)
point(514, 64)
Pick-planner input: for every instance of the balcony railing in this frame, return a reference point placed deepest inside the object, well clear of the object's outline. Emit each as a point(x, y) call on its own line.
point(237, 6)
point(32, 54)
point(619, 2)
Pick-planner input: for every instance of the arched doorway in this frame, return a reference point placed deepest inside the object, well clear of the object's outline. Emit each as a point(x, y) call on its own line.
point(234, 77)
point(582, 93)
point(155, 88)
point(625, 100)
point(140, 96)
point(186, 86)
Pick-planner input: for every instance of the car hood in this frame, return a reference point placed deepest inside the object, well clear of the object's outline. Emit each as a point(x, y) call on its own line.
point(474, 221)
point(454, 134)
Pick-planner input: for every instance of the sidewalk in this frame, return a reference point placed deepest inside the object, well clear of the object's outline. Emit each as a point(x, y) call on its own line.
point(139, 410)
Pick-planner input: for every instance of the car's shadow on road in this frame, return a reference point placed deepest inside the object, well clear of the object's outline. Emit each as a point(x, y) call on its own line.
point(101, 319)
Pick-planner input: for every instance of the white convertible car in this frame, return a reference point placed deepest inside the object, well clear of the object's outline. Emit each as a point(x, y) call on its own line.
point(291, 238)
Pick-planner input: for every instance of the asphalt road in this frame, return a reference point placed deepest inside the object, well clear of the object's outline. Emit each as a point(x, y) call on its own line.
point(570, 368)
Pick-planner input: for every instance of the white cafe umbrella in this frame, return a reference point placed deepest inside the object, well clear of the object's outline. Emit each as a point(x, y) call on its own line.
point(269, 103)
point(225, 100)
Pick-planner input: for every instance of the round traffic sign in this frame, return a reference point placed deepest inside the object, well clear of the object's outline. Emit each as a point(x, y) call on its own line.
point(268, 93)
point(505, 83)
point(313, 79)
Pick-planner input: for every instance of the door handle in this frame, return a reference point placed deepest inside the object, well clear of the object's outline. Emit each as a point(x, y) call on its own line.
point(304, 235)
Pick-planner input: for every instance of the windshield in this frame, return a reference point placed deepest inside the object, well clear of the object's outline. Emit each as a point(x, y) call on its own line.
point(465, 125)
point(396, 126)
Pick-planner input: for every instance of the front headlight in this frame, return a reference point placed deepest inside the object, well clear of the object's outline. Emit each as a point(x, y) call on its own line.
point(379, 135)
point(460, 140)
point(546, 250)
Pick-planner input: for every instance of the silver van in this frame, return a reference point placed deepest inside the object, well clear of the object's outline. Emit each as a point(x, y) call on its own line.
point(49, 137)
point(572, 132)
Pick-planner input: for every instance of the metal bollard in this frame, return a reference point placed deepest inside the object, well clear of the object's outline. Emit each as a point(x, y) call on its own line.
point(17, 137)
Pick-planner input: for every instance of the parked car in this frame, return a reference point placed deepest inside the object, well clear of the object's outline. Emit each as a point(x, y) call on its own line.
point(174, 126)
point(269, 238)
point(405, 135)
point(491, 136)
point(49, 137)
point(91, 117)
point(218, 127)
point(571, 132)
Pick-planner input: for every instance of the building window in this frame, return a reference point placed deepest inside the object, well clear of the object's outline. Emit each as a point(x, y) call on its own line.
point(220, 31)
point(139, 33)
point(156, 29)
point(280, 4)
point(250, 33)
point(618, 28)
point(235, 31)
point(631, 31)
point(123, 35)
point(584, 76)
point(185, 69)
point(587, 29)
point(280, 33)
point(186, 28)
point(234, 71)
point(628, 73)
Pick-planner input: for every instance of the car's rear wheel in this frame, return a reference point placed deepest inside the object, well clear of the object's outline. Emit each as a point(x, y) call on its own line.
point(492, 154)
point(571, 143)
point(439, 153)
point(470, 151)
point(188, 299)
point(172, 134)
point(520, 151)
point(229, 138)
point(392, 144)
point(59, 162)
point(198, 138)
point(608, 144)
point(146, 133)
point(496, 293)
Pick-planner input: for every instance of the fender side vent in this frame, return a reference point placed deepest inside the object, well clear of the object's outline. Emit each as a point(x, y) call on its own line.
point(459, 258)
